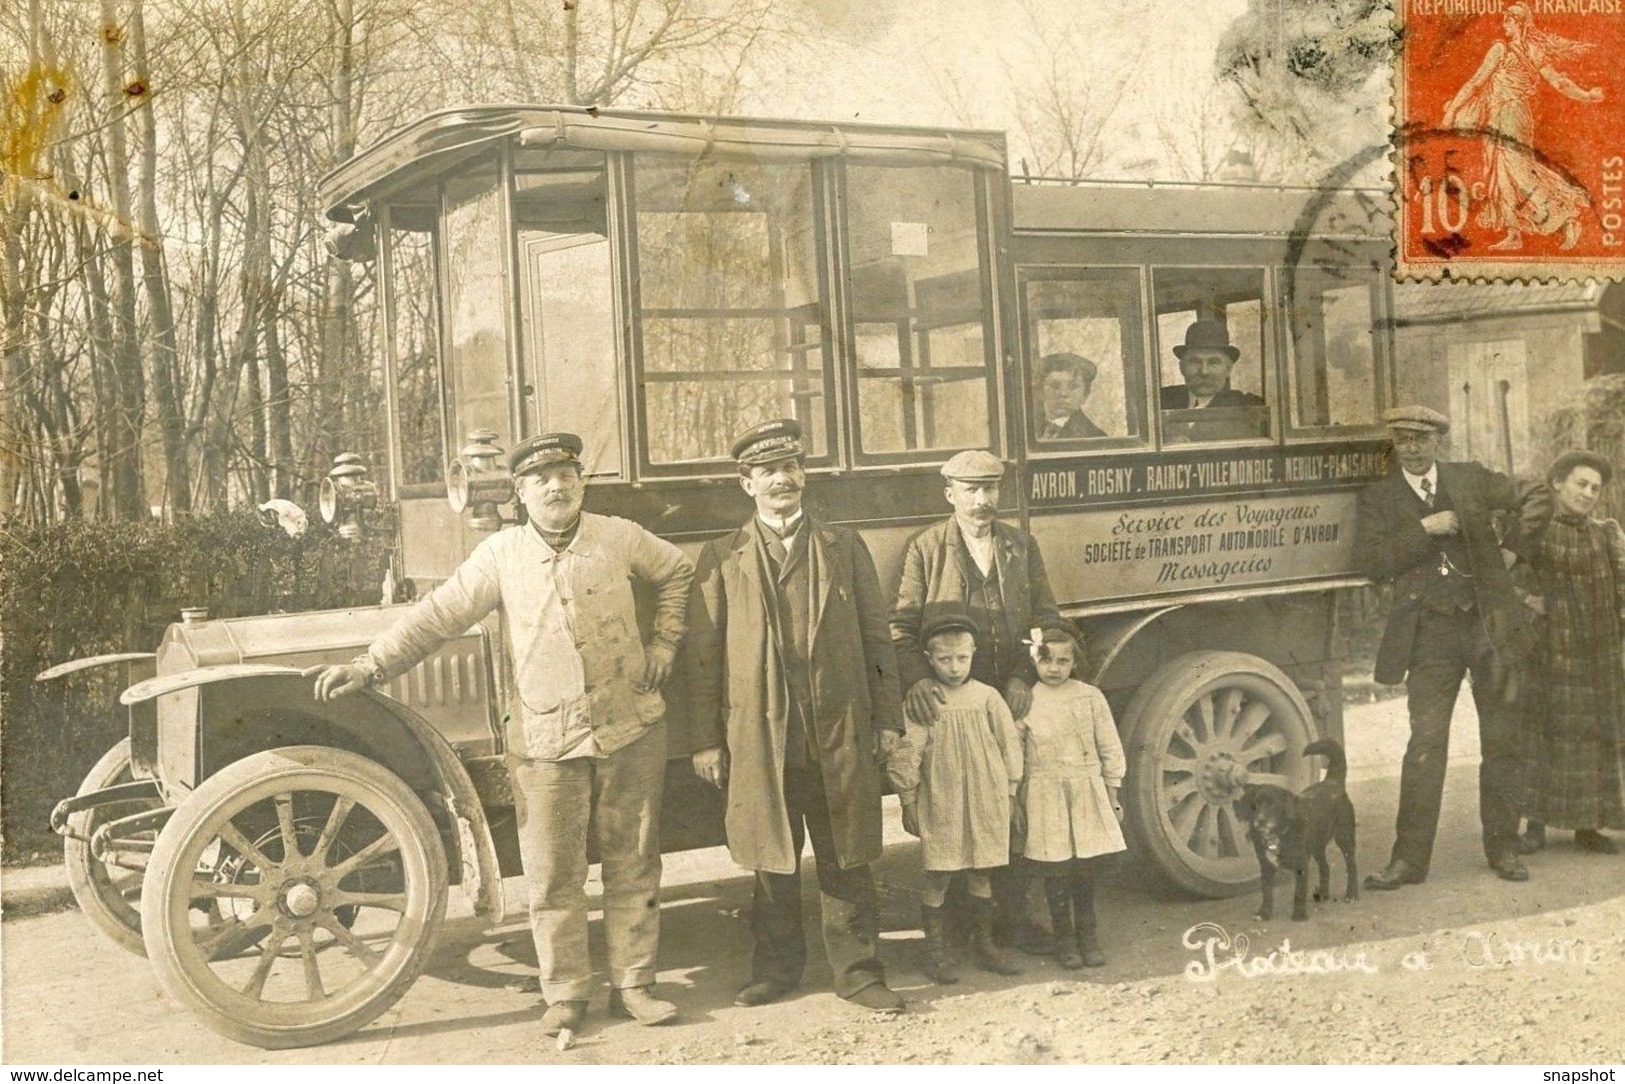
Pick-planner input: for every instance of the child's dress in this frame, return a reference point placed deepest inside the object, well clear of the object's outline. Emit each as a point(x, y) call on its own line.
point(1072, 754)
point(964, 767)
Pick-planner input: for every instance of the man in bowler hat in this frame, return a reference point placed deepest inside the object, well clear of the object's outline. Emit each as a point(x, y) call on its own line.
point(585, 732)
point(1205, 361)
point(795, 704)
point(1426, 529)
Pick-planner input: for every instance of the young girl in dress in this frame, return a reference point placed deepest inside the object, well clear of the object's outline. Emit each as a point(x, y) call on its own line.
point(1075, 765)
point(957, 779)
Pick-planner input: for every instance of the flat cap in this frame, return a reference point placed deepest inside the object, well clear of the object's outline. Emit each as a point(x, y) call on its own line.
point(1417, 417)
point(948, 619)
point(769, 442)
point(973, 466)
point(1067, 362)
point(544, 450)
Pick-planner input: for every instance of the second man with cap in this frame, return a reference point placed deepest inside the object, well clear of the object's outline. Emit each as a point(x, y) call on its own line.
point(993, 572)
point(796, 702)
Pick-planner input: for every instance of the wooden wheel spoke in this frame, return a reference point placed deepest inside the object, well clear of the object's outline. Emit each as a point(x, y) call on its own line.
point(389, 901)
point(1271, 745)
point(384, 844)
point(1204, 713)
point(1230, 829)
point(239, 842)
point(1171, 763)
point(284, 822)
point(235, 928)
point(1229, 707)
point(1201, 839)
point(1178, 792)
point(262, 969)
point(313, 970)
point(335, 820)
point(1184, 817)
point(357, 947)
point(1251, 718)
point(228, 890)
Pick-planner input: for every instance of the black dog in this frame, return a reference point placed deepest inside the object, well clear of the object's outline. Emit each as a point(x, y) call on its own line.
point(1288, 829)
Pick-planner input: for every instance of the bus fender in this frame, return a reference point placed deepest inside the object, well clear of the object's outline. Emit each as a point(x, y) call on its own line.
point(288, 689)
point(1107, 642)
point(142, 664)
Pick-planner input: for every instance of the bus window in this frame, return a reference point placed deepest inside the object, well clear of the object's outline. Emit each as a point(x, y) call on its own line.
point(421, 447)
point(732, 313)
point(475, 238)
point(1085, 342)
point(568, 305)
point(1213, 353)
point(1333, 332)
point(920, 310)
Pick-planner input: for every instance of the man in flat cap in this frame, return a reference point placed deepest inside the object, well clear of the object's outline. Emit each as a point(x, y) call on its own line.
point(1068, 379)
point(994, 573)
point(1206, 360)
point(792, 679)
point(1426, 529)
point(585, 732)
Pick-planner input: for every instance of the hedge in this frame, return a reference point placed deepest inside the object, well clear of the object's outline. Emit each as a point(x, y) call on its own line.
point(70, 590)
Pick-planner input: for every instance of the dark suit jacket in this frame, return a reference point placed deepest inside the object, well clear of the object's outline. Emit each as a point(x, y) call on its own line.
point(1390, 546)
point(1178, 397)
point(737, 688)
point(1079, 426)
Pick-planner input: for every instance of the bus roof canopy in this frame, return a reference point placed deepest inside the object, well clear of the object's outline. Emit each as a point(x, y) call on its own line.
point(415, 155)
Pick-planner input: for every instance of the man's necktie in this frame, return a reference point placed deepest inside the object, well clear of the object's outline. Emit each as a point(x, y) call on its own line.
point(1427, 491)
point(776, 550)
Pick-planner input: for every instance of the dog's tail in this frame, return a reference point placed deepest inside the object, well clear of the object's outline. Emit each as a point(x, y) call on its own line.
point(1337, 765)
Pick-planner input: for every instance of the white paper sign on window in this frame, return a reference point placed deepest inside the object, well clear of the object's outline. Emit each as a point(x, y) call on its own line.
point(909, 238)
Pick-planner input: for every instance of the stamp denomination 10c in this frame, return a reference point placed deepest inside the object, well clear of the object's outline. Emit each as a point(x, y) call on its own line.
point(1509, 143)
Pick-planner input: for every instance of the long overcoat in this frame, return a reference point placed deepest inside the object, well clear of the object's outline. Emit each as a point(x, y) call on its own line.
point(1391, 546)
point(740, 692)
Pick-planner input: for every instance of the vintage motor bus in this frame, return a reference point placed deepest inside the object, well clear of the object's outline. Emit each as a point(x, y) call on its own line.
point(657, 283)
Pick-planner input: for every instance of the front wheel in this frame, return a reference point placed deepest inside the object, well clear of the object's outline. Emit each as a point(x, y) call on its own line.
point(1199, 730)
point(323, 881)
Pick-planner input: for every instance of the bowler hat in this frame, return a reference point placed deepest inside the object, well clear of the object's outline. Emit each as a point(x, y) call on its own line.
point(1417, 418)
point(1207, 335)
point(769, 442)
point(544, 450)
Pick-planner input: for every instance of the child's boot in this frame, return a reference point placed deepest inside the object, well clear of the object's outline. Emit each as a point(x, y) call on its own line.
point(939, 952)
point(989, 957)
point(1083, 914)
point(1058, 894)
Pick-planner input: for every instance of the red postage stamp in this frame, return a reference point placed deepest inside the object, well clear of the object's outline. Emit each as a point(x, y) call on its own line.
point(1510, 139)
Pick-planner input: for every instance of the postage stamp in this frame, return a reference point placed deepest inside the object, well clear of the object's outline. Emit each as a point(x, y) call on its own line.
point(1509, 139)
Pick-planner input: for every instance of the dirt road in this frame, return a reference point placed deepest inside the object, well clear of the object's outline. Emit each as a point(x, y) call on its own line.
point(1513, 973)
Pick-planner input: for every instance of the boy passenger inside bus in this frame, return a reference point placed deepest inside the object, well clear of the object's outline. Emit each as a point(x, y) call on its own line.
point(1067, 380)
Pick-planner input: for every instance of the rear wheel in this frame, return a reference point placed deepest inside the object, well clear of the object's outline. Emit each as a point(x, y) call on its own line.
point(109, 895)
point(1198, 731)
point(328, 884)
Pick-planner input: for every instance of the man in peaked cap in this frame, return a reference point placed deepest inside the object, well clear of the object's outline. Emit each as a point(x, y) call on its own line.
point(585, 733)
point(796, 703)
point(994, 573)
point(1426, 529)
